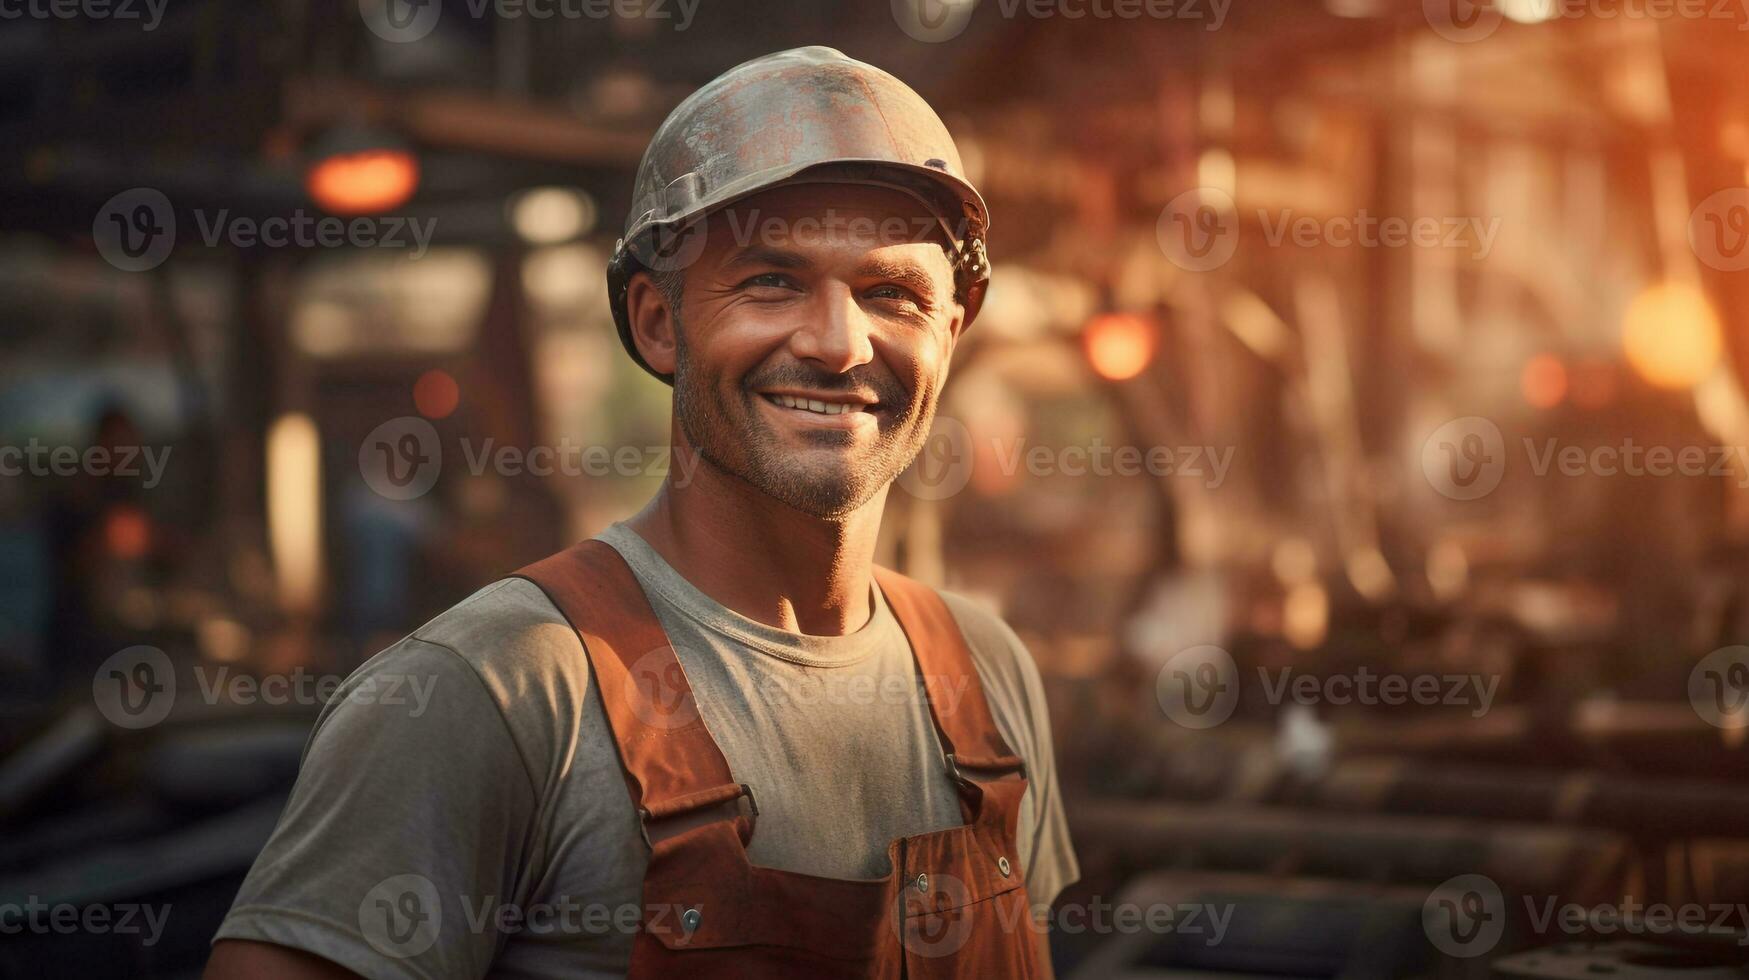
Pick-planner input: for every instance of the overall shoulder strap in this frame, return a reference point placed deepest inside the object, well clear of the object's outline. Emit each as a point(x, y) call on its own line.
point(956, 695)
point(672, 764)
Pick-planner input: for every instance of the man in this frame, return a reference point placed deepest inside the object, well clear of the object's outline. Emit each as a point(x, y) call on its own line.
point(714, 741)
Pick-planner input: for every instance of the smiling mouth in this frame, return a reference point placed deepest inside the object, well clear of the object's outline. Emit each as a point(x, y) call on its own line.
point(816, 406)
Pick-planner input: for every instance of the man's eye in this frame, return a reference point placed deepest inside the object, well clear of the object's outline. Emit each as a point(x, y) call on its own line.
point(893, 293)
point(768, 280)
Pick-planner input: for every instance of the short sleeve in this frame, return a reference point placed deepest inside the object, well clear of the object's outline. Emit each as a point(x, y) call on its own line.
point(406, 827)
point(1017, 699)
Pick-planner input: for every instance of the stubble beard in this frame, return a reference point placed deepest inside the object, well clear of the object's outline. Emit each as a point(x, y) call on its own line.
point(749, 449)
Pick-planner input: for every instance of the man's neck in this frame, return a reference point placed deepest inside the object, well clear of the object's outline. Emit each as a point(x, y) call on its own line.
point(762, 558)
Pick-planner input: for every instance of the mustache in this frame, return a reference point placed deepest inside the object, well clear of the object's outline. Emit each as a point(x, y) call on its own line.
point(857, 382)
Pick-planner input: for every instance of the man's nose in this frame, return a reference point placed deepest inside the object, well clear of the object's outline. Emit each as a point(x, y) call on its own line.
point(835, 335)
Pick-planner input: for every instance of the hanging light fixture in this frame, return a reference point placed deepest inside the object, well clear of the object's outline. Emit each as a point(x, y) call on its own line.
point(356, 169)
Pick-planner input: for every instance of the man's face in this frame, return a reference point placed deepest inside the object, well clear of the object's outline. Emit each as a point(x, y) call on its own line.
point(813, 338)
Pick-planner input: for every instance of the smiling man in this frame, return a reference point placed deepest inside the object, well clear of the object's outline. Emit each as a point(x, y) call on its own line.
point(716, 740)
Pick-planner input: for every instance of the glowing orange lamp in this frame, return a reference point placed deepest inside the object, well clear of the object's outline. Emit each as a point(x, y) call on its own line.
point(356, 171)
point(1119, 345)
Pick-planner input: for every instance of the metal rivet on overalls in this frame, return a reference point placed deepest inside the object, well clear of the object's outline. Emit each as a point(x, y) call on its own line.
point(1002, 866)
point(923, 884)
point(689, 920)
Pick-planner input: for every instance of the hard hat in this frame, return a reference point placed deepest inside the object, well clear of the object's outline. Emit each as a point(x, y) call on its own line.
point(807, 114)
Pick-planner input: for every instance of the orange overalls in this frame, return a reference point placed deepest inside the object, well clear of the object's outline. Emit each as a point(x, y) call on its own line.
point(955, 904)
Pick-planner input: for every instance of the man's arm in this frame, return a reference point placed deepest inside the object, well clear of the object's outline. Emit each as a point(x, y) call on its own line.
point(412, 801)
point(244, 959)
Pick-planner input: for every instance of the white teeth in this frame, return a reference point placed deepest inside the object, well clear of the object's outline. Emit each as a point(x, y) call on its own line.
point(815, 405)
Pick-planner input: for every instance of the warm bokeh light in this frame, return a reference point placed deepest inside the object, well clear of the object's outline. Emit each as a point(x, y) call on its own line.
point(294, 508)
point(127, 532)
point(1543, 381)
point(1527, 11)
point(1305, 615)
point(1671, 335)
point(551, 215)
point(1119, 345)
point(436, 394)
point(367, 182)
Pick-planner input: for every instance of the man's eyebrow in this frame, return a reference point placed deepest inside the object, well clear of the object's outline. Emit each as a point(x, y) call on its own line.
point(765, 255)
point(908, 274)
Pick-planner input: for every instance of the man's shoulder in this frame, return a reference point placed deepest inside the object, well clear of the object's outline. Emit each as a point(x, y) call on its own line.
point(1009, 675)
point(510, 620)
point(512, 637)
point(994, 644)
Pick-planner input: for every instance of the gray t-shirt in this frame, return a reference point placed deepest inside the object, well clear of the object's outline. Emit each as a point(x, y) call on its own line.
point(461, 810)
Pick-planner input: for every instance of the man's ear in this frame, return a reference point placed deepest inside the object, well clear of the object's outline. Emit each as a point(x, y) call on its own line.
point(652, 323)
point(972, 301)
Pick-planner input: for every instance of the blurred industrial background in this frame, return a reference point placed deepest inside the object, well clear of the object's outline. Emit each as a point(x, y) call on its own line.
point(1354, 433)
